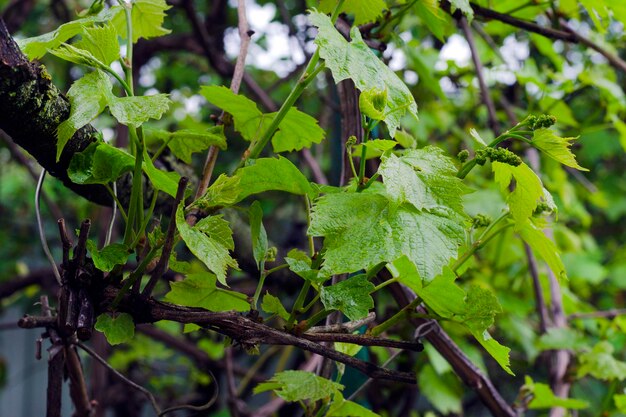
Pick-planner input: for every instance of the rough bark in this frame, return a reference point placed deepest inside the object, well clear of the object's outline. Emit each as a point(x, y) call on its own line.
point(31, 109)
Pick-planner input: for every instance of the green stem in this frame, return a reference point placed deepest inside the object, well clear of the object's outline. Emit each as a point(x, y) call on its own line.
point(297, 306)
point(399, 316)
point(481, 241)
point(311, 304)
point(317, 317)
point(259, 287)
point(384, 284)
point(276, 268)
point(308, 224)
point(134, 276)
point(366, 136)
point(137, 190)
point(351, 161)
point(309, 74)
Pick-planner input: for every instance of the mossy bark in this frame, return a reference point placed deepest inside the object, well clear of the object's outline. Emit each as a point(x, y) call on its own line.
point(31, 109)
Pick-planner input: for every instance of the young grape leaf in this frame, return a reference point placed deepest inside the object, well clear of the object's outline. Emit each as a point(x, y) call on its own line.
point(543, 397)
point(374, 148)
point(351, 297)
point(406, 272)
point(464, 6)
point(76, 55)
point(555, 147)
point(443, 296)
point(207, 244)
point(101, 42)
point(300, 264)
point(147, 19)
point(185, 142)
point(364, 229)
point(109, 256)
point(480, 308)
point(528, 188)
point(200, 290)
point(88, 98)
point(425, 178)
point(364, 11)
point(118, 328)
point(601, 364)
point(223, 192)
point(372, 103)
point(246, 115)
point(99, 163)
point(341, 407)
point(135, 110)
point(356, 61)
point(544, 247)
point(259, 235)
point(38, 46)
point(161, 180)
point(296, 131)
point(271, 174)
point(496, 350)
point(272, 305)
point(299, 385)
point(433, 17)
point(443, 391)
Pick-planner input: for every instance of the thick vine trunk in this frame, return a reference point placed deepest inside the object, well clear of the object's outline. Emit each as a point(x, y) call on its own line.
point(31, 109)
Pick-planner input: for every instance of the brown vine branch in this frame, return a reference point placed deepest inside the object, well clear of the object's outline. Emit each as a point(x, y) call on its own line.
point(245, 35)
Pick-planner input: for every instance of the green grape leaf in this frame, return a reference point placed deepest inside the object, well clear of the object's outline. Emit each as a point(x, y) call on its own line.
point(356, 61)
point(101, 42)
point(496, 350)
point(161, 180)
point(544, 247)
point(528, 188)
point(296, 131)
point(76, 55)
point(341, 407)
point(185, 142)
point(218, 229)
point(442, 391)
point(109, 256)
point(299, 385)
point(372, 103)
point(443, 296)
point(147, 19)
point(374, 148)
point(99, 163)
point(38, 46)
point(543, 397)
point(601, 364)
point(300, 264)
point(433, 17)
point(364, 11)
point(272, 305)
point(259, 235)
point(135, 110)
point(88, 98)
point(364, 229)
point(481, 306)
point(351, 297)
point(562, 338)
point(620, 402)
point(246, 115)
point(464, 6)
point(555, 147)
point(200, 290)
point(425, 178)
point(118, 328)
point(206, 244)
point(271, 174)
point(223, 192)
point(406, 272)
